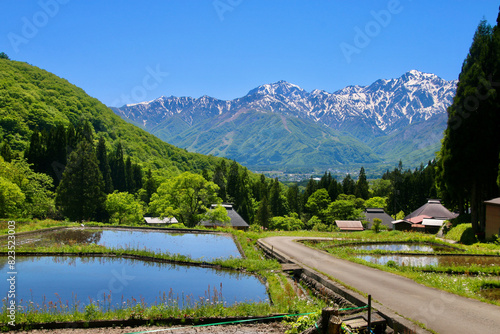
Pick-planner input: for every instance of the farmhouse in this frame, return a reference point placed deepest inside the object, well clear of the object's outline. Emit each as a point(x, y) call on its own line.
point(349, 225)
point(492, 217)
point(236, 222)
point(372, 213)
point(430, 216)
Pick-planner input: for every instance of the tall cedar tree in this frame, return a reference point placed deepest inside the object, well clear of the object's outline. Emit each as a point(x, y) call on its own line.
point(219, 178)
point(362, 188)
point(117, 165)
point(293, 199)
point(150, 186)
point(56, 153)
point(263, 215)
point(129, 176)
point(35, 152)
point(348, 185)
point(137, 177)
point(311, 187)
point(276, 201)
point(6, 152)
point(102, 158)
point(470, 151)
point(80, 194)
point(233, 183)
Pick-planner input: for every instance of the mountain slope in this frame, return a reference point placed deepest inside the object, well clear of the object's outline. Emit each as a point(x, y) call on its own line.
point(380, 123)
point(32, 98)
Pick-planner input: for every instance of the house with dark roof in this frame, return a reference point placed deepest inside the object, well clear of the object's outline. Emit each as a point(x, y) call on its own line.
point(236, 221)
point(492, 223)
point(372, 213)
point(433, 209)
point(349, 225)
point(432, 213)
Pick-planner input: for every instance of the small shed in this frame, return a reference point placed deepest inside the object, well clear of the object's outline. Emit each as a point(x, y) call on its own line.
point(159, 221)
point(372, 213)
point(236, 221)
point(492, 224)
point(402, 225)
point(432, 225)
point(349, 225)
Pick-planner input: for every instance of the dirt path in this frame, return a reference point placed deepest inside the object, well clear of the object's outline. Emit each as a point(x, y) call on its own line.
point(437, 310)
point(271, 328)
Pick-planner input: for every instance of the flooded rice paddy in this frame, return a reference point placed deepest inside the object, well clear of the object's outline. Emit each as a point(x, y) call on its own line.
point(198, 246)
point(118, 282)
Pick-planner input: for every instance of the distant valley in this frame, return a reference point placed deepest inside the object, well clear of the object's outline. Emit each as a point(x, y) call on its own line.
point(281, 126)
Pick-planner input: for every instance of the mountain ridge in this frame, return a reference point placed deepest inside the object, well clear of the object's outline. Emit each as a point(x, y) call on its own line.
point(360, 115)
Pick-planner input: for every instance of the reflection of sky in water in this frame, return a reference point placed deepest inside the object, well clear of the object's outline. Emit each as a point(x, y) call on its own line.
point(402, 247)
point(66, 277)
point(425, 260)
point(197, 246)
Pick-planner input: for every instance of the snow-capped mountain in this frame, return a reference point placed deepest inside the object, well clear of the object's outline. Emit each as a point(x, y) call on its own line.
point(383, 108)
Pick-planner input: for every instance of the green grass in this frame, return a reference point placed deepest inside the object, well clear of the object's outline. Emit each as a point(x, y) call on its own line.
point(33, 225)
point(462, 233)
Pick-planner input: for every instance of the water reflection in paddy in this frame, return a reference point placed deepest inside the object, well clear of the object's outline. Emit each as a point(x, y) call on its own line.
point(206, 246)
point(427, 260)
point(52, 278)
point(403, 247)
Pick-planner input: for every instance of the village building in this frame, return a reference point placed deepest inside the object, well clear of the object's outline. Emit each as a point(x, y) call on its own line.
point(372, 213)
point(492, 224)
point(236, 221)
point(402, 225)
point(349, 225)
point(155, 221)
point(430, 217)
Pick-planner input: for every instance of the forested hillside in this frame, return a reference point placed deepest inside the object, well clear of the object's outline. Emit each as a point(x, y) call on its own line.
point(34, 99)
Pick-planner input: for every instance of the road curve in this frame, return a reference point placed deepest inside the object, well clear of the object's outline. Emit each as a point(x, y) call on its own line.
point(438, 310)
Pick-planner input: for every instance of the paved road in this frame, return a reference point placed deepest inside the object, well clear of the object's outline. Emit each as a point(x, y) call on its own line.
point(440, 311)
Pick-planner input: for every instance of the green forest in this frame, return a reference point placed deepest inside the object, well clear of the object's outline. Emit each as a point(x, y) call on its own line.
point(65, 155)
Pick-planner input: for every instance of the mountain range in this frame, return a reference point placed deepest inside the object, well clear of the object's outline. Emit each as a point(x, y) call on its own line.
point(282, 126)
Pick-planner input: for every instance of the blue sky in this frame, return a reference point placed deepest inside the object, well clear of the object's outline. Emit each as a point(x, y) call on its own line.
point(131, 51)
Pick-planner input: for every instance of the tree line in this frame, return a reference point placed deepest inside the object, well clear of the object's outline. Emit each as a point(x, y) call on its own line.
point(84, 179)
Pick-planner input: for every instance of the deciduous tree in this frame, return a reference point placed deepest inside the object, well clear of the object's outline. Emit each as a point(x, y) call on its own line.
point(186, 197)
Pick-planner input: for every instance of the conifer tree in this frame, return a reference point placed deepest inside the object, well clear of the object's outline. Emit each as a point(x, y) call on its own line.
point(275, 200)
point(293, 199)
point(35, 152)
point(348, 185)
point(102, 158)
point(334, 189)
point(233, 182)
point(137, 177)
point(80, 194)
point(219, 178)
point(469, 154)
point(362, 188)
point(149, 186)
point(117, 165)
point(263, 214)
point(57, 152)
point(6, 152)
point(129, 176)
point(311, 187)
